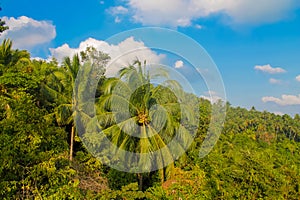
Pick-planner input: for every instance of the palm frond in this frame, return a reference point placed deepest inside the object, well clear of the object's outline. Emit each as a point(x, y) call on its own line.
point(63, 114)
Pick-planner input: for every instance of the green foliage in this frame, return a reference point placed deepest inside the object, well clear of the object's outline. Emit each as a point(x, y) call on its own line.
point(12, 60)
point(31, 150)
point(251, 168)
point(153, 119)
point(256, 157)
point(129, 192)
point(117, 179)
point(2, 25)
point(61, 88)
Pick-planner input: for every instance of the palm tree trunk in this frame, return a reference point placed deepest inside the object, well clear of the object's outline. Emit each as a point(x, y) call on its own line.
point(140, 177)
point(71, 143)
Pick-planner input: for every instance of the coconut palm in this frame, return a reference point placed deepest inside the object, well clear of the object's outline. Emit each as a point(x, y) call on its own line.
point(10, 57)
point(142, 118)
point(62, 87)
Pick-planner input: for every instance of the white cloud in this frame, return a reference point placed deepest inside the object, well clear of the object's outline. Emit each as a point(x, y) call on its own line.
point(275, 81)
point(298, 78)
point(183, 12)
point(121, 54)
point(269, 69)
point(27, 32)
point(118, 20)
point(285, 100)
point(212, 96)
point(178, 64)
point(278, 113)
point(117, 10)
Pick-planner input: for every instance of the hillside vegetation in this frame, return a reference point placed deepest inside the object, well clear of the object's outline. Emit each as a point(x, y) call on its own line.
point(42, 156)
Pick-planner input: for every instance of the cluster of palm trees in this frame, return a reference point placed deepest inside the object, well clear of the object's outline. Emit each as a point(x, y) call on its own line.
point(134, 114)
point(128, 122)
point(61, 88)
point(138, 127)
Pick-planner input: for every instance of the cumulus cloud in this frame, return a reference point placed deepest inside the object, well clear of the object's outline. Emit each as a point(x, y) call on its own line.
point(212, 96)
point(182, 12)
point(118, 12)
point(178, 64)
point(27, 32)
point(275, 81)
point(285, 100)
point(298, 78)
point(269, 69)
point(121, 54)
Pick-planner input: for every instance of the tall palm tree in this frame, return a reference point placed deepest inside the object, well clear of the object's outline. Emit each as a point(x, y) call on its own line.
point(142, 118)
point(62, 87)
point(59, 88)
point(64, 112)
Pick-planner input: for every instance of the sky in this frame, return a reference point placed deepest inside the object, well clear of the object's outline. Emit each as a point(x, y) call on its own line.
point(254, 46)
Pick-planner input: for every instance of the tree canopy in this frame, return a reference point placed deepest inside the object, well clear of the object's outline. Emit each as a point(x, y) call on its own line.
point(42, 157)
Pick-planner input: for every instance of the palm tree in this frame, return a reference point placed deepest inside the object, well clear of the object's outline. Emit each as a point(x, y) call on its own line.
point(64, 112)
point(59, 87)
point(10, 57)
point(142, 118)
point(6, 53)
point(62, 87)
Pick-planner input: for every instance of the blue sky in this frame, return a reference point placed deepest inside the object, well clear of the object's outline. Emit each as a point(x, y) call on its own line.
point(256, 46)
